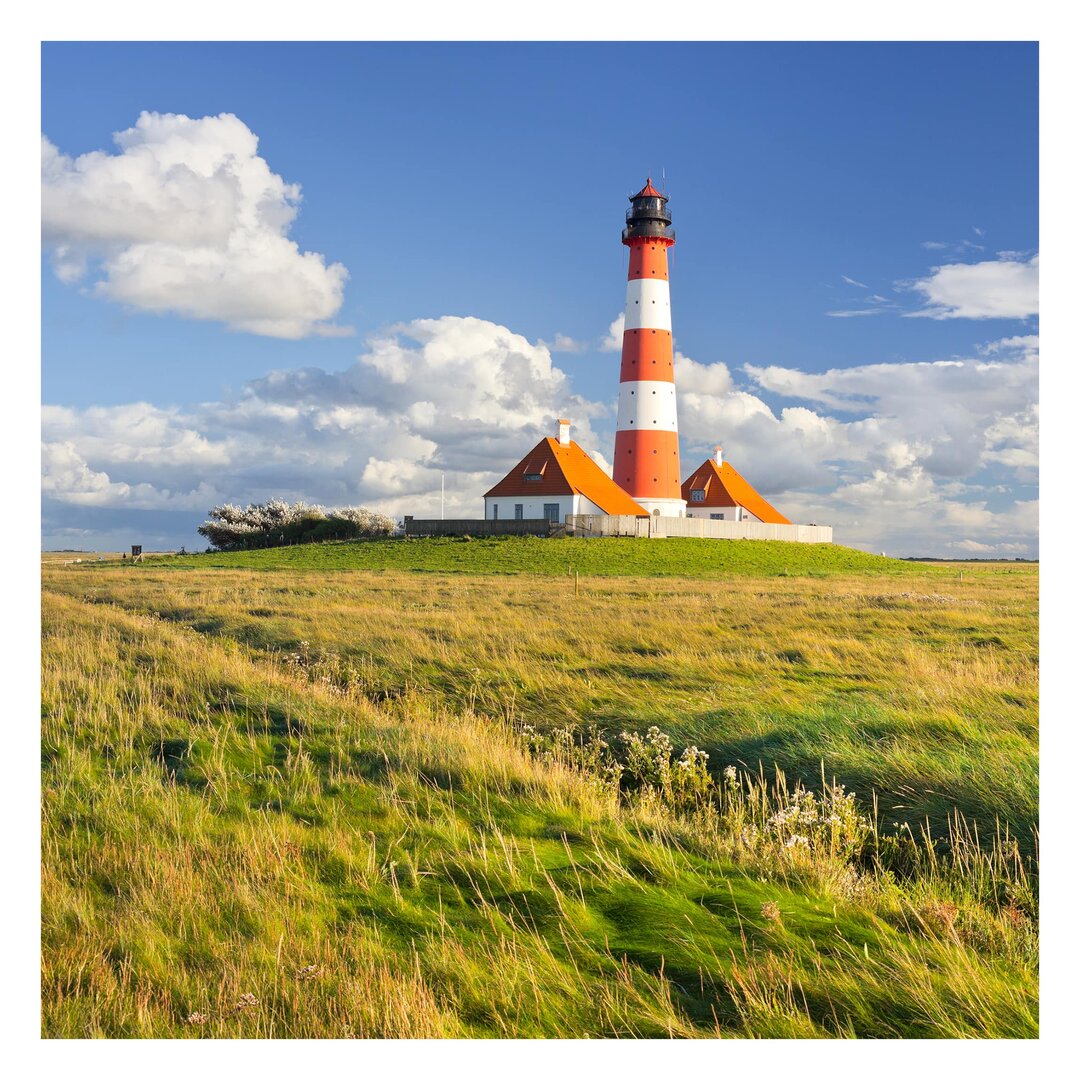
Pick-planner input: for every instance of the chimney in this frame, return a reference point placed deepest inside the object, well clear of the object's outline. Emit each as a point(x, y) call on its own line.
point(719, 454)
point(564, 432)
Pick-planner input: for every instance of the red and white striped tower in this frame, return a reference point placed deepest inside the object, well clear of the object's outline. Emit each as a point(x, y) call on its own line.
point(646, 462)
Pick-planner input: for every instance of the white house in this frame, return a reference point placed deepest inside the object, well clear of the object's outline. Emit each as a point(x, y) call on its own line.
point(555, 479)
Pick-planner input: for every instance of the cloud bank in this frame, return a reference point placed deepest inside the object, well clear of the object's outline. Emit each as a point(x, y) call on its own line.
point(459, 396)
point(912, 458)
point(187, 219)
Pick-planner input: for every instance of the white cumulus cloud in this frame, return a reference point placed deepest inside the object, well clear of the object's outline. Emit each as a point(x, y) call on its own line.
point(613, 340)
point(997, 289)
point(456, 396)
point(188, 219)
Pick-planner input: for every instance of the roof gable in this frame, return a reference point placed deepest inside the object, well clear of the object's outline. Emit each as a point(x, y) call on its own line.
point(725, 486)
point(565, 470)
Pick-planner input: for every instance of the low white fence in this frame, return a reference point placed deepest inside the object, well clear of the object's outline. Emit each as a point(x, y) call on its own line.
point(705, 528)
point(607, 525)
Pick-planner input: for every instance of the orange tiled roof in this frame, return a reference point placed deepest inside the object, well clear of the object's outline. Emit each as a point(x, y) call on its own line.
point(725, 486)
point(565, 470)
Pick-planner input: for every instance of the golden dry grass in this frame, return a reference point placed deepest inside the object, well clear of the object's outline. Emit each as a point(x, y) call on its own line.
point(246, 835)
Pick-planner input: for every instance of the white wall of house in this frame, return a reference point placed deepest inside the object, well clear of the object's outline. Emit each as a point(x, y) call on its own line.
point(731, 513)
point(504, 507)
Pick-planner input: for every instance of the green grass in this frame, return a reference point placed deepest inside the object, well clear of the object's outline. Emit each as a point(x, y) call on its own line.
point(922, 689)
point(675, 557)
point(309, 789)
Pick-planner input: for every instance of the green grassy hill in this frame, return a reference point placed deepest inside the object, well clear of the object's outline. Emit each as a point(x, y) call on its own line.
point(534, 555)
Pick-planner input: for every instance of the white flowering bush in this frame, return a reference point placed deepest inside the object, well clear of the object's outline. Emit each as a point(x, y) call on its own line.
point(648, 758)
point(754, 816)
point(652, 764)
point(808, 823)
point(277, 523)
point(367, 522)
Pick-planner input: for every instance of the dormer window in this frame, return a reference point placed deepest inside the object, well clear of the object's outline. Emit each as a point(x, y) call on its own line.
point(697, 495)
point(534, 476)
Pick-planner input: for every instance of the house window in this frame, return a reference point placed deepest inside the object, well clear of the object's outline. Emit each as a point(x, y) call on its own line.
point(494, 511)
point(551, 511)
point(519, 512)
point(697, 495)
point(716, 517)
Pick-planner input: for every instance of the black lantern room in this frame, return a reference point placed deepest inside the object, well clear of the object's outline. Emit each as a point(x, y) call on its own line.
point(648, 215)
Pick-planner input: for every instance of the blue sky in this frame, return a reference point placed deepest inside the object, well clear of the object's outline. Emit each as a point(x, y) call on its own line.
point(816, 190)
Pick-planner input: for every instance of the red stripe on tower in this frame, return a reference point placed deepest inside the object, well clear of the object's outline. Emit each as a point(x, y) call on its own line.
point(646, 462)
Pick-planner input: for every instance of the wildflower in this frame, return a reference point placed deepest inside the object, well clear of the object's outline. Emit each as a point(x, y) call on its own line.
point(197, 1018)
point(310, 972)
point(797, 841)
point(729, 774)
point(771, 910)
point(246, 1001)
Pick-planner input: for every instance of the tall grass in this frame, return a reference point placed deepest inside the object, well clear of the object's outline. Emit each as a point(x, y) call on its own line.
point(237, 843)
point(923, 689)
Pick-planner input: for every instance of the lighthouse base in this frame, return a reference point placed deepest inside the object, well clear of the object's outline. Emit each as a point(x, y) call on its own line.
point(663, 507)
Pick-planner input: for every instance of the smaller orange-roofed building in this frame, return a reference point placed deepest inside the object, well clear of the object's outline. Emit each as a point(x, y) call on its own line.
point(554, 479)
point(718, 491)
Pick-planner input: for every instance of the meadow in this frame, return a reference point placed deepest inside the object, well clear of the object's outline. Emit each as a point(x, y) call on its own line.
point(594, 557)
point(332, 792)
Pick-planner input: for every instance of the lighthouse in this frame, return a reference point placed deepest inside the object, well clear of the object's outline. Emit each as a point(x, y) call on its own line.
point(646, 461)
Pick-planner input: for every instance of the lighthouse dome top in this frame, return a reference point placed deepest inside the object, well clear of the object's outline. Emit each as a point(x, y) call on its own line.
point(648, 192)
point(648, 218)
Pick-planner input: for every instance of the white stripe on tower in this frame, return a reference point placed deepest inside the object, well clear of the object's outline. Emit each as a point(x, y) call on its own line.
point(648, 305)
point(647, 406)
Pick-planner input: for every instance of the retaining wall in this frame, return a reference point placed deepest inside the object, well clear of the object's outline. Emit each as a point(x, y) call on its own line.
point(480, 527)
